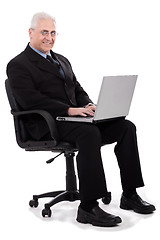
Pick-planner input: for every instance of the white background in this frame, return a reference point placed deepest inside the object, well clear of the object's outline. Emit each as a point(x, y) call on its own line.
point(105, 37)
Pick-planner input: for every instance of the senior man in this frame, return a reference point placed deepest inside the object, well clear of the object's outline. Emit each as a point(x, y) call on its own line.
point(43, 79)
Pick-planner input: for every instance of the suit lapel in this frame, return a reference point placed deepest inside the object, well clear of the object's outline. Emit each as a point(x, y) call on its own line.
point(41, 62)
point(62, 64)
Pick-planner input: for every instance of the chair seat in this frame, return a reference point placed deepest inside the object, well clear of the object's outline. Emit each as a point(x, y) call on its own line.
point(49, 146)
point(64, 146)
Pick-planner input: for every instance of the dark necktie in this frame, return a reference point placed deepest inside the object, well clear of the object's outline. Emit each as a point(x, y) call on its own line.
point(50, 59)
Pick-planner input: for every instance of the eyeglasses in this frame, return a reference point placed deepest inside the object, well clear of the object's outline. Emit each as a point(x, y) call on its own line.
point(46, 33)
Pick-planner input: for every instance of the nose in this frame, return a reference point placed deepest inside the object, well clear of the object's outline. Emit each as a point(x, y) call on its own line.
point(48, 37)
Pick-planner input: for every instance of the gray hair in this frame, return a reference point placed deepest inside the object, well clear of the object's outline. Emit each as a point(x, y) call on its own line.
point(38, 16)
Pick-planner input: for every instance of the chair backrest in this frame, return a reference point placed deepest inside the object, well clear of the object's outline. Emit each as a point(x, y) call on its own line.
point(24, 140)
point(13, 104)
point(21, 134)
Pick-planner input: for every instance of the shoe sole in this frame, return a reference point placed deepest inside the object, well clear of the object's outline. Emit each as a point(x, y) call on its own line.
point(94, 223)
point(127, 207)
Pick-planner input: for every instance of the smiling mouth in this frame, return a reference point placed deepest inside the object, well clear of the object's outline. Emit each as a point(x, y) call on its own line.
point(46, 43)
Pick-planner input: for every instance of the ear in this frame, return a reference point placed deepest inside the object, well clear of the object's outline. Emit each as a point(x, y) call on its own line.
point(30, 32)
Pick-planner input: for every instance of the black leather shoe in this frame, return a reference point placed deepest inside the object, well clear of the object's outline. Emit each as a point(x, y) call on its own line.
point(97, 217)
point(136, 204)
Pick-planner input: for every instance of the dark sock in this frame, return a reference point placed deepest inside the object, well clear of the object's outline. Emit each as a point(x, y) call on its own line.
point(128, 193)
point(88, 205)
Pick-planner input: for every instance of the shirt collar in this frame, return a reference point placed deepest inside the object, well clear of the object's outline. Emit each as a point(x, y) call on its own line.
point(40, 53)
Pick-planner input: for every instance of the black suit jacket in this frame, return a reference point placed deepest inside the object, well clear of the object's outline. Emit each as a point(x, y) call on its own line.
point(38, 84)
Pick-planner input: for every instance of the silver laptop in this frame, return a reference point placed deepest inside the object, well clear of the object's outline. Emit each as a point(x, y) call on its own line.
point(113, 102)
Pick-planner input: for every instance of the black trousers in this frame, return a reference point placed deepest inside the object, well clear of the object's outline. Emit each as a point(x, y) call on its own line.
point(89, 138)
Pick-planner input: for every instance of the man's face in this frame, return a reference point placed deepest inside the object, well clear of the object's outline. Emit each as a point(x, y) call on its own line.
point(43, 36)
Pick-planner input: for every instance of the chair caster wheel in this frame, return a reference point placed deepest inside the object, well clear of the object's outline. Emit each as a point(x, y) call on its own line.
point(33, 203)
point(46, 212)
point(107, 198)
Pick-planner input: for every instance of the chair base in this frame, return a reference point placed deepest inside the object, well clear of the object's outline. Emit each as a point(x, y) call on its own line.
point(70, 194)
point(59, 196)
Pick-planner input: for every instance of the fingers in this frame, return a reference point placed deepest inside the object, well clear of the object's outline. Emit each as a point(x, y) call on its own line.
point(90, 109)
point(80, 111)
point(87, 111)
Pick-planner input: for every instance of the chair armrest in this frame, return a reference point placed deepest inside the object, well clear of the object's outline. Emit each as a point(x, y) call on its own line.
point(48, 118)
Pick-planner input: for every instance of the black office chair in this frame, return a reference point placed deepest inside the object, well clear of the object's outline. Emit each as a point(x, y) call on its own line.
point(25, 141)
